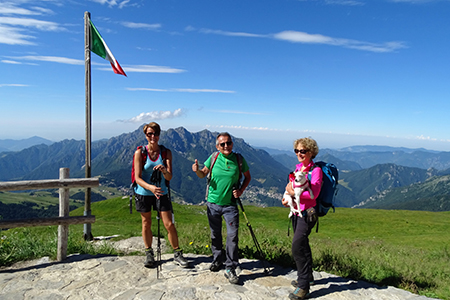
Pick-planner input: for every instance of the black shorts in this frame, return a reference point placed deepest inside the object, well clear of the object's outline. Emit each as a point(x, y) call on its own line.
point(145, 204)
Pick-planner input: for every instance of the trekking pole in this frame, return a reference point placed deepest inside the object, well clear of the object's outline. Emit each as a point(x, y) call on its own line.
point(258, 247)
point(156, 179)
point(131, 199)
point(158, 216)
point(158, 249)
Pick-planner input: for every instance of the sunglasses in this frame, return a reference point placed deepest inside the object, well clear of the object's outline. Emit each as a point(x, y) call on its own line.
point(150, 134)
point(303, 151)
point(229, 143)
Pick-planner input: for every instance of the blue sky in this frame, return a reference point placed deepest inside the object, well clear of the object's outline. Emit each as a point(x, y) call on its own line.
point(345, 72)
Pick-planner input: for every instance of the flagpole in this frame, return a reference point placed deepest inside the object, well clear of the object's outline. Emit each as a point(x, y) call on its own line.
point(87, 59)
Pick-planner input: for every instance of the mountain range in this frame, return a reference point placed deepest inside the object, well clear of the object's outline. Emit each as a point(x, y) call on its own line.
point(17, 145)
point(370, 176)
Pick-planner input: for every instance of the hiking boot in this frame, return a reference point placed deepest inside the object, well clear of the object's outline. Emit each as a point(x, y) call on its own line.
point(149, 258)
point(216, 266)
point(179, 259)
point(311, 282)
point(299, 294)
point(230, 274)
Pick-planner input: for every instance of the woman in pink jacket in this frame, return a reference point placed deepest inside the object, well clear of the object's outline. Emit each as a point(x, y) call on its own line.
point(306, 150)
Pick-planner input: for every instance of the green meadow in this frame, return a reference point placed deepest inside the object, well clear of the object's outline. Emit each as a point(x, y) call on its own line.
point(406, 249)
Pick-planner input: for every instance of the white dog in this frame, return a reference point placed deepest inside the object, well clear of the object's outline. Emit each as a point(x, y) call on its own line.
point(300, 183)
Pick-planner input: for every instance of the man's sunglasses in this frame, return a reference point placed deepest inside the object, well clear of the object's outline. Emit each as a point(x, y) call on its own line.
point(303, 151)
point(229, 143)
point(150, 134)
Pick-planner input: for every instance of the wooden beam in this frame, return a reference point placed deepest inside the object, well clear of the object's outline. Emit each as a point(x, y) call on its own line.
point(48, 184)
point(46, 221)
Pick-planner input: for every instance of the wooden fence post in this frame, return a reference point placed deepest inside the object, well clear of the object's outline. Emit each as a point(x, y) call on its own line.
point(63, 230)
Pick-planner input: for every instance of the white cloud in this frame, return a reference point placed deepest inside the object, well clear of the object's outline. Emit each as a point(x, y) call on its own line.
point(27, 22)
point(307, 38)
point(155, 115)
point(57, 59)
point(108, 2)
point(112, 3)
point(152, 69)
point(13, 30)
point(13, 62)
point(12, 84)
point(103, 67)
point(11, 9)
point(181, 90)
point(228, 33)
point(141, 25)
point(13, 36)
point(123, 4)
point(345, 2)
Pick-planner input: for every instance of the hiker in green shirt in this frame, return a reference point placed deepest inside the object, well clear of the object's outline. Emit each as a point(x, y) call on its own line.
point(223, 191)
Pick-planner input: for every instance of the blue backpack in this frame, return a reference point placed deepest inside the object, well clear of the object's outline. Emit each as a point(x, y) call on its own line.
point(328, 190)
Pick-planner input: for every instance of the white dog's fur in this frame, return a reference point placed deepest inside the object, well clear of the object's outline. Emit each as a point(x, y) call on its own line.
point(299, 184)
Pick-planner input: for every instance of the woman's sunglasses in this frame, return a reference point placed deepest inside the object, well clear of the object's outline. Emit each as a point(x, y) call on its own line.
point(150, 134)
point(303, 151)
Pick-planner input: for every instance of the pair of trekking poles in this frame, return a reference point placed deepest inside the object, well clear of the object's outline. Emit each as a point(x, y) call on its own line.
point(156, 178)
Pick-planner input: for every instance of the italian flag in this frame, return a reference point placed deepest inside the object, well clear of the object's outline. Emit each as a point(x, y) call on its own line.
point(99, 47)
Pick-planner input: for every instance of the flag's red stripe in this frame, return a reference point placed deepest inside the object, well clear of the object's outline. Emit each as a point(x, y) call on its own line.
point(118, 69)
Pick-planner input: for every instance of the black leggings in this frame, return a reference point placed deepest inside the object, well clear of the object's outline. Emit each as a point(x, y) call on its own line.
point(301, 251)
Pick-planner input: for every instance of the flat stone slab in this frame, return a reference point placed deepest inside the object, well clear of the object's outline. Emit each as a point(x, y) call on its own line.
point(125, 277)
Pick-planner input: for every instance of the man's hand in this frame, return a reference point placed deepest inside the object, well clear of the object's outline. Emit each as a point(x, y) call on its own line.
point(195, 166)
point(237, 193)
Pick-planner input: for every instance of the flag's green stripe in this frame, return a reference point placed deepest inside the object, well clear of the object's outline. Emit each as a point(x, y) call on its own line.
point(97, 45)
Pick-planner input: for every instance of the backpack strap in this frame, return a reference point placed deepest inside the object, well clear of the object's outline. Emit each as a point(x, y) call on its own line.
point(239, 161)
point(310, 171)
point(163, 151)
point(144, 153)
point(208, 177)
point(317, 198)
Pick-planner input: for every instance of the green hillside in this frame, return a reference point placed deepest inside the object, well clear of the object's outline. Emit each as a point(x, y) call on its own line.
point(430, 195)
point(407, 249)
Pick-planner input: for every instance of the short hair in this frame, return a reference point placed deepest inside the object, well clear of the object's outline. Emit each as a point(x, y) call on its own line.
point(222, 134)
point(309, 144)
point(153, 125)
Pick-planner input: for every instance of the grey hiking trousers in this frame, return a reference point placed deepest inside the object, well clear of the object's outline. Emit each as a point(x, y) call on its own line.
point(230, 214)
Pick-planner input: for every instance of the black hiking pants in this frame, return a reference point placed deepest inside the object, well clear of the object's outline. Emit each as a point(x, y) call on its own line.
point(301, 250)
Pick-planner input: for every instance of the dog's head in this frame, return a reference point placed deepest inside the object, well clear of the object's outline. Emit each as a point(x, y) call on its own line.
point(300, 178)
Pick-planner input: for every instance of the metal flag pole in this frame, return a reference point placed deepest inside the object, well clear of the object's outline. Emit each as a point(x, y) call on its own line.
point(87, 58)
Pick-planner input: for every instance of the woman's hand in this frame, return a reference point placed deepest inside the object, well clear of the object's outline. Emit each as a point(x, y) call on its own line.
point(160, 168)
point(289, 189)
point(157, 191)
point(285, 202)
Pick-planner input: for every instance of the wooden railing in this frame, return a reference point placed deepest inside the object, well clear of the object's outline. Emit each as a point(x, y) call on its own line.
point(64, 183)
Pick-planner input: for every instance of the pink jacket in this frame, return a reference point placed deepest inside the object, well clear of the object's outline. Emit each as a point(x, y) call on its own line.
point(315, 185)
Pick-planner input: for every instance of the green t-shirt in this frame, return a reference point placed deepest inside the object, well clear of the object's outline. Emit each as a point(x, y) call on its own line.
point(224, 175)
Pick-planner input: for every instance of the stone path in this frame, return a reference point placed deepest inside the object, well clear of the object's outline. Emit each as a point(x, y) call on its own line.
point(124, 277)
